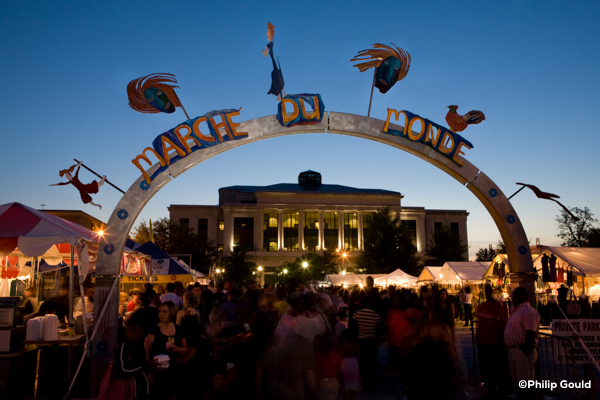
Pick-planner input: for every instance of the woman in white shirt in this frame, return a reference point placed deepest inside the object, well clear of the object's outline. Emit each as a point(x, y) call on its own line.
point(468, 300)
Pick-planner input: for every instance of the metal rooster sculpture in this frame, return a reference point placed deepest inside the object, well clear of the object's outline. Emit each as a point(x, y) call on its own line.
point(458, 123)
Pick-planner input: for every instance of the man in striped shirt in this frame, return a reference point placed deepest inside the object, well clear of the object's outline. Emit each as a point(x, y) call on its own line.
point(520, 336)
point(368, 325)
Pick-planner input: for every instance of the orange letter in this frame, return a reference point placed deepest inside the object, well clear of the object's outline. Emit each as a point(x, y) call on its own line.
point(459, 151)
point(222, 124)
point(200, 135)
point(164, 140)
point(234, 125)
point(447, 137)
point(397, 115)
point(429, 136)
point(284, 115)
point(188, 136)
point(410, 132)
point(315, 115)
point(136, 162)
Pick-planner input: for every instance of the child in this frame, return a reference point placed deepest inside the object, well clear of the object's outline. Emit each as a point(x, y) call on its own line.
point(125, 377)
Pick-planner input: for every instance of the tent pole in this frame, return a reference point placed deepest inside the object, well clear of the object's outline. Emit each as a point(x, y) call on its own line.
point(71, 286)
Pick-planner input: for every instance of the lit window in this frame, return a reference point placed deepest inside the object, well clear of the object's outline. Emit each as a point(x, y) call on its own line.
point(221, 225)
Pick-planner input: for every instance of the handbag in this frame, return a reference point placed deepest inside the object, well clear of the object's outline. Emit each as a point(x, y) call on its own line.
point(116, 389)
point(573, 308)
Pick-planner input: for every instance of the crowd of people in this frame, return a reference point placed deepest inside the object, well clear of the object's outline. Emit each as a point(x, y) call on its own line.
point(299, 342)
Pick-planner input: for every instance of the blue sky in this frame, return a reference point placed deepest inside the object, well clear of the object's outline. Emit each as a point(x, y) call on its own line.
point(530, 66)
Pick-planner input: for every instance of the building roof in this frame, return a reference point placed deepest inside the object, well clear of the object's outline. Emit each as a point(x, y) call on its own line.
point(296, 188)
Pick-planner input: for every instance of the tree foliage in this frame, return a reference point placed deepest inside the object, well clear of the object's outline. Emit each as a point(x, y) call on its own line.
point(580, 233)
point(445, 246)
point(386, 248)
point(175, 238)
point(485, 255)
point(238, 265)
point(318, 265)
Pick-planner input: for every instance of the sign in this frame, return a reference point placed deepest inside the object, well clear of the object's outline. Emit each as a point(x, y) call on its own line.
point(172, 278)
point(565, 351)
point(448, 144)
point(299, 115)
point(187, 138)
point(135, 279)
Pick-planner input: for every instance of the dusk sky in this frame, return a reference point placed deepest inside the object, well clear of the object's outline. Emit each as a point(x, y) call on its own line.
point(533, 68)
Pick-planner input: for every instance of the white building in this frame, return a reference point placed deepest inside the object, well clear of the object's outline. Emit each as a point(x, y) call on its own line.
point(281, 222)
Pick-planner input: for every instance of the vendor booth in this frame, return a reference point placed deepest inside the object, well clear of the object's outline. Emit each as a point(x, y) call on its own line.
point(428, 274)
point(164, 268)
point(457, 274)
point(396, 278)
point(576, 267)
point(351, 279)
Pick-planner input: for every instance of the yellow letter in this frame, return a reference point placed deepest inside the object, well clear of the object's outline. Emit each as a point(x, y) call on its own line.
point(284, 114)
point(136, 162)
point(222, 124)
point(429, 136)
point(315, 114)
point(188, 136)
point(410, 132)
point(164, 140)
point(459, 151)
point(202, 136)
point(397, 115)
point(443, 148)
point(234, 125)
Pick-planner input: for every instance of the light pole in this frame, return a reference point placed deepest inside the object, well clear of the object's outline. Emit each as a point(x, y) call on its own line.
point(260, 275)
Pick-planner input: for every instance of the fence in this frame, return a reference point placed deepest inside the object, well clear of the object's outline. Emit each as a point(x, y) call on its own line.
point(547, 369)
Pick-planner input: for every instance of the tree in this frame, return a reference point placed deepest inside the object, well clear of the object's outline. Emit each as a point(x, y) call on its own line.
point(239, 265)
point(593, 238)
point(175, 238)
point(485, 255)
point(576, 233)
point(501, 247)
point(318, 264)
point(387, 247)
point(445, 246)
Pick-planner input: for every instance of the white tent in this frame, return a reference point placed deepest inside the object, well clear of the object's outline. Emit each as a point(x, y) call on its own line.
point(351, 279)
point(398, 278)
point(428, 274)
point(460, 272)
point(585, 260)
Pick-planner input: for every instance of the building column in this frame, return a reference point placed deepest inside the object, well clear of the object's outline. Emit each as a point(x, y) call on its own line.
point(279, 229)
point(301, 230)
point(340, 215)
point(360, 230)
point(421, 239)
point(227, 231)
point(321, 231)
point(258, 230)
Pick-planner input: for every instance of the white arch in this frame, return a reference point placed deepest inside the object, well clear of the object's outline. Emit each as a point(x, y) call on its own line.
point(490, 195)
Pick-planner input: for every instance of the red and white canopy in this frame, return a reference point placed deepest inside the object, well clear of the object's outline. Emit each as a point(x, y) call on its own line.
point(34, 232)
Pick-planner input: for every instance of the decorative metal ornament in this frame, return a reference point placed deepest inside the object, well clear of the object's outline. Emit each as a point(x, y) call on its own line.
point(153, 93)
point(391, 64)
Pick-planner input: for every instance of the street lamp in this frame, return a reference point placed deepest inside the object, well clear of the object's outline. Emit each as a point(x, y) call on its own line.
point(259, 275)
point(304, 264)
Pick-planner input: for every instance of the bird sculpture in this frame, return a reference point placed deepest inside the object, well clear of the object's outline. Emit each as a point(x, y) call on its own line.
point(547, 196)
point(458, 123)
